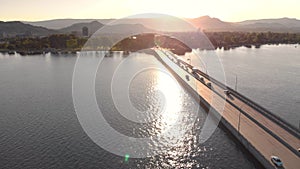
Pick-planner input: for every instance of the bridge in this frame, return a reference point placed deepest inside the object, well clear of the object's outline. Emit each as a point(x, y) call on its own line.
point(262, 133)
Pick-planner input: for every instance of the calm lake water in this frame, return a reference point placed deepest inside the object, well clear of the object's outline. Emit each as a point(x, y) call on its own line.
point(39, 127)
point(270, 76)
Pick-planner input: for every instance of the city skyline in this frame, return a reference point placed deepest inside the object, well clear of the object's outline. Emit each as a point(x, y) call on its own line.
point(229, 10)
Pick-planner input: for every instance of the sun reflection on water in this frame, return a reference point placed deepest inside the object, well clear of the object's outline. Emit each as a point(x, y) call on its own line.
point(173, 99)
point(176, 124)
point(174, 114)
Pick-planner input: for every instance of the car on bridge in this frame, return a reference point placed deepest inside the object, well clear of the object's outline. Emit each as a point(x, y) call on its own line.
point(227, 92)
point(209, 85)
point(194, 70)
point(276, 161)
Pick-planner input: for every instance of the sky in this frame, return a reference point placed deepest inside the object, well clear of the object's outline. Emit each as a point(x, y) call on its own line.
point(226, 10)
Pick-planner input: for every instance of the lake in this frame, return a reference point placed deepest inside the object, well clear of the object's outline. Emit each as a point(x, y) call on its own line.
point(268, 75)
point(40, 128)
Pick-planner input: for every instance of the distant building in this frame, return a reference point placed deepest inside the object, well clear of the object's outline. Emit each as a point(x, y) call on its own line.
point(85, 31)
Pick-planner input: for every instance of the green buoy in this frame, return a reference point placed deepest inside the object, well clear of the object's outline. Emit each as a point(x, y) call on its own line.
point(126, 157)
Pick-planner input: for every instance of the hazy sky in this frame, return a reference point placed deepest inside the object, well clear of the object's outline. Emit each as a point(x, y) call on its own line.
point(227, 10)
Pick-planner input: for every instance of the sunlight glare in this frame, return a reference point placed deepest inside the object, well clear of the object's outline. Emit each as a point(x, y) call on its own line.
point(173, 100)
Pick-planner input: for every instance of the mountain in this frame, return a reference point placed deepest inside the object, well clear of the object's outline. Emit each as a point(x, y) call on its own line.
point(205, 22)
point(92, 27)
point(154, 23)
point(18, 28)
point(115, 28)
point(62, 23)
point(128, 29)
point(282, 21)
point(211, 24)
point(262, 25)
point(276, 25)
point(135, 25)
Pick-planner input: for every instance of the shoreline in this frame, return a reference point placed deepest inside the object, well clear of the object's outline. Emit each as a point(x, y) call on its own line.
point(75, 51)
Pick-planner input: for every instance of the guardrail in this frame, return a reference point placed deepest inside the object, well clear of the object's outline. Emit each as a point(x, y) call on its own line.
point(281, 122)
point(293, 130)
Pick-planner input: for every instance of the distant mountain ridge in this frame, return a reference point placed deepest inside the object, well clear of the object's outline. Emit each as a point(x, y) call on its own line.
point(208, 23)
point(15, 28)
point(285, 21)
point(43, 28)
point(77, 27)
point(205, 22)
point(260, 25)
point(63, 23)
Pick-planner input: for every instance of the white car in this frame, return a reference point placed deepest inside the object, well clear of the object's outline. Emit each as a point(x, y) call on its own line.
point(276, 160)
point(194, 70)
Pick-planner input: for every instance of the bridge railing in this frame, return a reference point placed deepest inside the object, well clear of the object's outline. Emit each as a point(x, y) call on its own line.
point(281, 122)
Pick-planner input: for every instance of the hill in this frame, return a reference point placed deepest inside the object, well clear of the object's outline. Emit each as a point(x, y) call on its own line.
point(92, 27)
point(115, 29)
point(62, 23)
point(211, 24)
point(205, 22)
point(142, 25)
point(282, 21)
point(262, 25)
point(125, 29)
point(275, 25)
point(18, 28)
